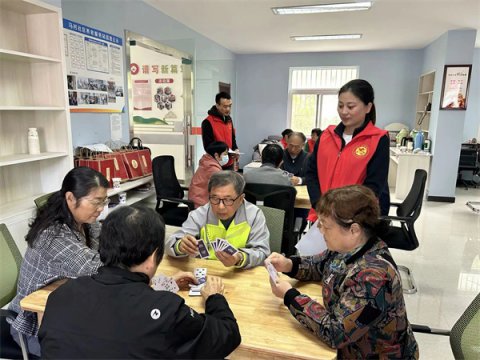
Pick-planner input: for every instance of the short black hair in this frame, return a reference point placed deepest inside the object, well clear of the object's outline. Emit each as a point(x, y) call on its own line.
point(216, 147)
point(130, 234)
point(317, 131)
point(222, 95)
point(286, 132)
point(272, 154)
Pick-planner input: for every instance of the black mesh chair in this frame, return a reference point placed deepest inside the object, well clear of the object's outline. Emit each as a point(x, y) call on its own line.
point(403, 236)
point(169, 191)
point(278, 197)
point(468, 164)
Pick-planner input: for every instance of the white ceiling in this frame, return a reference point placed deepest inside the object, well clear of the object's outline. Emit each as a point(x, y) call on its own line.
point(249, 26)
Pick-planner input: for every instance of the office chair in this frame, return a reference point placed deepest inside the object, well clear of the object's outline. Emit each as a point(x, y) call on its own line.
point(278, 197)
point(10, 261)
point(465, 333)
point(404, 237)
point(468, 163)
point(169, 192)
point(274, 219)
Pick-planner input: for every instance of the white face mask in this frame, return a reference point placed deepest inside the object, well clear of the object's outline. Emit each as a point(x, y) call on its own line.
point(224, 160)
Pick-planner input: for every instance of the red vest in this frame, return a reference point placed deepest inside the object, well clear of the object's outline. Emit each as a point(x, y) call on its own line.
point(311, 145)
point(337, 167)
point(222, 132)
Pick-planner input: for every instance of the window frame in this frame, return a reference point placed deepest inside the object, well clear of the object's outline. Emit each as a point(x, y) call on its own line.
point(312, 91)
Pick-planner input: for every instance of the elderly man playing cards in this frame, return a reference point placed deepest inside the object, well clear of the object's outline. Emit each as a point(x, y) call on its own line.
point(227, 228)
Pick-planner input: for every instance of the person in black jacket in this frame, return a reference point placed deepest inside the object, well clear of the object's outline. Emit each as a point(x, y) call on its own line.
point(218, 126)
point(295, 158)
point(116, 314)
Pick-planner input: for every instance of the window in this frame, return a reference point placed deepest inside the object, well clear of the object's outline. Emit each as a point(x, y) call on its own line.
point(313, 96)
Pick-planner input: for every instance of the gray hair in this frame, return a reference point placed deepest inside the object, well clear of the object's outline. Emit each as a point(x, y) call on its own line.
point(301, 135)
point(227, 177)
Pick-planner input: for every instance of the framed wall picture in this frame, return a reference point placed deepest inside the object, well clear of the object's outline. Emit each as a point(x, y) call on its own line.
point(456, 79)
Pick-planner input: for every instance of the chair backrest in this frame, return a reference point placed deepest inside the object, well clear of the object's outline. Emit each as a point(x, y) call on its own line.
point(165, 177)
point(404, 237)
point(10, 261)
point(412, 205)
point(468, 158)
point(279, 197)
point(42, 200)
point(275, 196)
point(465, 334)
point(274, 219)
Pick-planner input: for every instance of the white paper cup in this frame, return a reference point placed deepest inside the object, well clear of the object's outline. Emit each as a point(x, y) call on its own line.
point(116, 182)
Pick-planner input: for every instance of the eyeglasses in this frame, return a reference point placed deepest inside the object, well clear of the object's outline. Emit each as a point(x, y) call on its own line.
point(99, 203)
point(227, 202)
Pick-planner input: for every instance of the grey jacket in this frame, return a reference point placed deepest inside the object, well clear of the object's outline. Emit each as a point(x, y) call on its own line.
point(267, 174)
point(257, 247)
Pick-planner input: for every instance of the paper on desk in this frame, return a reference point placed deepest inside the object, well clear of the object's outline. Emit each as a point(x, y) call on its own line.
point(312, 243)
point(98, 147)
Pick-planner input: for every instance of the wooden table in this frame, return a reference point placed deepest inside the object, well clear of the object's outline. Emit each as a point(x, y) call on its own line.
point(268, 329)
point(302, 199)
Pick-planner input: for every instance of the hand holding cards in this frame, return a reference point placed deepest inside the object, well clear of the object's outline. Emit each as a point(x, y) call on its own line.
point(223, 245)
point(271, 271)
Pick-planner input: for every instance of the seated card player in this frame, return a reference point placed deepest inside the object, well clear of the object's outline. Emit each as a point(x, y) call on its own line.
point(115, 314)
point(226, 216)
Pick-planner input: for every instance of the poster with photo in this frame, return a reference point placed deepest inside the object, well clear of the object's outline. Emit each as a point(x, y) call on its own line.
point(456, 79)
point(95, 76)
point(157, 88)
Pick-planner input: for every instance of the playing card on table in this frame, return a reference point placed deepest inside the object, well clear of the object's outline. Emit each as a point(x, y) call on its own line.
point(202, 249)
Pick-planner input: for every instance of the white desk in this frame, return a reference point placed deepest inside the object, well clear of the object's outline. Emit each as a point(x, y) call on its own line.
point(402, 170)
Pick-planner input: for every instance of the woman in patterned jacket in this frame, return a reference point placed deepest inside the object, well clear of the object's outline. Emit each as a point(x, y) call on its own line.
point(363, 313)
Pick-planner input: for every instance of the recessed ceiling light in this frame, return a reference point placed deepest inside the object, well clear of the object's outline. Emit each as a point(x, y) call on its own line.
point(326, 37)
point(313, 9)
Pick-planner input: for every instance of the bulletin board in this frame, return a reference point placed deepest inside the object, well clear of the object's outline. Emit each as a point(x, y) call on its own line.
point(95, 74)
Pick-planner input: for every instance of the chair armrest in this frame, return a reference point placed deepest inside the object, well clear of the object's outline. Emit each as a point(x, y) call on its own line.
point(397, 218)
point(297, 226)
point(395, 204)
point(184, 188)
point(189, 203)
point(428, 330)
point(9, 314)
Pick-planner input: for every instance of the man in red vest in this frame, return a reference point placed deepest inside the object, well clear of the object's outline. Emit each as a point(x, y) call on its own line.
point(218, 126)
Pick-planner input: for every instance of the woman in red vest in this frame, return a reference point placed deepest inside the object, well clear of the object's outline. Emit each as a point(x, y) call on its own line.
point(353, 152)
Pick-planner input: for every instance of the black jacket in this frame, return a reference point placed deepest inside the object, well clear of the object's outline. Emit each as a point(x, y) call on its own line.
point(297, 166)
point(207, 131)
point(117, 315)
point(377, 170)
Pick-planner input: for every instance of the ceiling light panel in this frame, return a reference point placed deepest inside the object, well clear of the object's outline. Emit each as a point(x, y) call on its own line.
point(326, 37)
point(321, 8)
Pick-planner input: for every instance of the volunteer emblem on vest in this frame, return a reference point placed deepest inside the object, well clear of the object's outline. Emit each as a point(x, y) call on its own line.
point(360, 151)
point(155, 314)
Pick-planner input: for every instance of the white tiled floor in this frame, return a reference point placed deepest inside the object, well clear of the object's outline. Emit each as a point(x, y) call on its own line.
point(446, 268)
